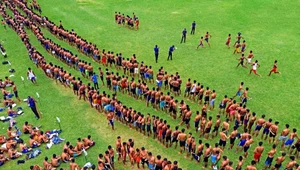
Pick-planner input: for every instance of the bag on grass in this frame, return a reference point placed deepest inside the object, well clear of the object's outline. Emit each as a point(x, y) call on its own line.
point(5, 62)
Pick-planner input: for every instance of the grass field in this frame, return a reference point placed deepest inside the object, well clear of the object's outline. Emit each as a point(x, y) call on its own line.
point(270, 29)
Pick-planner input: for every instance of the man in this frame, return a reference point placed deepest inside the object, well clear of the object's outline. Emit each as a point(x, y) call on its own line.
point(31, 76)
point(171, 49)
point(279, 161)
point(290, 165)
point(273, 132)
point(73, 165)
point(258, 152)
point(183, 37)
point(182, 137)
point(200, 43)
point(250, 57)
point(274, 69)
point(14, 88)
point(32, 104)
point(193, 27)
point(228, 41)
point(284, 135)
point(254, 68)
point(223, 138)
point(252, 166)
point(270, 157)
point(206, 38)
point(95, 81)
point(156, 52)
point(241, 61)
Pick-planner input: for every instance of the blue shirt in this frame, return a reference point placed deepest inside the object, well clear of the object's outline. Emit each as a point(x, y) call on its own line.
point(171, 49)
point(193, 25)
point(95, 78)
point(31, 102)
point(184, 32)
point(156, 49)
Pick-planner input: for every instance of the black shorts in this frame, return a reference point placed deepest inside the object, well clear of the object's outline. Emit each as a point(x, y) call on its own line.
point(216, 129)
point(205, 159)
point(148, 128)
point(206, 98)
point(175, 89)
point(174, 140)
point(200, 96)
point(222, 143)
point(182, 143)
point(277, 166)
point(272, 135)
point(187, 120)
point(168, 138)
point(144, 161)
point(207, 130)
point(131, 70)
point(232, 141)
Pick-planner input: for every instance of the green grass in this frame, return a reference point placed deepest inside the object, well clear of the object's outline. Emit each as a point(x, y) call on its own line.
point(269, 27)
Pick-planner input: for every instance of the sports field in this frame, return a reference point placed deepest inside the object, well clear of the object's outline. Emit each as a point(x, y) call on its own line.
point(270, 29)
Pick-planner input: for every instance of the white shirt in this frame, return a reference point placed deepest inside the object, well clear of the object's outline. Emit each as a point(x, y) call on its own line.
point(254, 66)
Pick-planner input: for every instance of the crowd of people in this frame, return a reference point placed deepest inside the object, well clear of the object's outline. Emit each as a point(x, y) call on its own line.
point(236, 112)
point(130, 22)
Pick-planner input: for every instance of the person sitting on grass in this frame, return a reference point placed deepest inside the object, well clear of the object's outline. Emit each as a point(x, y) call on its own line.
point(55, 160)
point(3, 159)
point(88, 142)
point(73, 153)
point(11, 112)
point(13, 154)
point(74, 165)
point(11, 134)
point(35, 167)
point(65, 156)
point(79, 145)
point(42, 138)
point(33, 143)
point(24, 148)
point(27, 128)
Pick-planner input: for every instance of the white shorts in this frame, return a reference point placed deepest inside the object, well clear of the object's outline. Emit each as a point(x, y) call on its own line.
point(136, 70)
point(48, 71)
point(249, 60)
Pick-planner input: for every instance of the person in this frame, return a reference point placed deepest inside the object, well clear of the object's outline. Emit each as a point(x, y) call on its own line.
point(241, 61)
point(32, 104)
point(243, 47)
point(239, 92)
point(207, 36)
point(193, 27)
point(240, 163)
point(156, 53)
point(252, 166)
point(183, 37)
point(274, 69)
point(14, 88)
point(290, 165)
point(4, 24)
point(171, 49)
point(279, 161)
point(200, 43)
point(270, 157)
point(250, 57)
point(258, 152)
point(228, 41)
point(254, 68)
point(31, 76)
point(273, 132)
point(94, 78)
